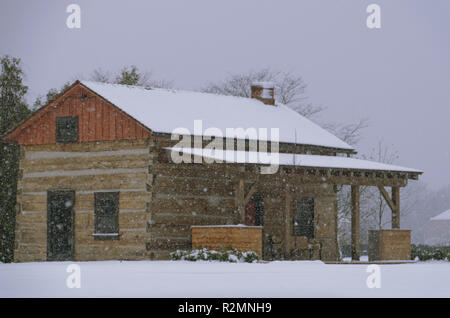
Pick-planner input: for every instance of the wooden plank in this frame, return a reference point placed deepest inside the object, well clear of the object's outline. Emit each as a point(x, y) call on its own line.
point(396, 210)
point(101, 162)
point(288, 221)
point(98, 121)
point(87, 182)
point(386, 197)
point(355, 194)
point(112, 124)
point(394, 204)
point(92, 146)
point(240, 204)
point(250, 193)
point(94, 120)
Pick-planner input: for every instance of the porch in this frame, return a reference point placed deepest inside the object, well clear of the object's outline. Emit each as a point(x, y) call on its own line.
point(298, 172)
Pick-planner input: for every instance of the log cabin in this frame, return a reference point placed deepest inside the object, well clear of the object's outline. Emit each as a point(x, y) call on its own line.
point(97, 179)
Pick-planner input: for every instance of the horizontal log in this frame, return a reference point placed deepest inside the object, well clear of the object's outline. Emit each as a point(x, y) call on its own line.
point(170, 230)
point(183, 219)
point(31, 218)
point(168, 244)
point(89, 252)
point(32, 235)
point(103, 162)
point(126, 238)
point(195, 189)
point(133, 220)
point(92, 146)
point(191, 205)
point(83, 172)
point(84, 221)
point(29, 256)
point(86, 182)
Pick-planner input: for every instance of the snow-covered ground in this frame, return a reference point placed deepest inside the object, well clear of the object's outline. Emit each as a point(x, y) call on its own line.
point(207, 279)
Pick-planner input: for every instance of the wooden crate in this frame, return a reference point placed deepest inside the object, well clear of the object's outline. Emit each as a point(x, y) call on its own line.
point(223, 237)
point(389, 245)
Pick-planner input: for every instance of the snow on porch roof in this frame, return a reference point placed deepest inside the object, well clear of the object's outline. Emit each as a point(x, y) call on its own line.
point(286, 159)
point(163, 110)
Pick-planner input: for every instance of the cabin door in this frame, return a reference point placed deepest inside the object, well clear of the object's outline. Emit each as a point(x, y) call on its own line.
point(60, 211)
point(254, 211)
point(250, 213)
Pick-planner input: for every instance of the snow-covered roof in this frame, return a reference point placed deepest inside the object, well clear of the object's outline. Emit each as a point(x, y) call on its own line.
point(313, 161)
point(443, 216)
point(163, 110)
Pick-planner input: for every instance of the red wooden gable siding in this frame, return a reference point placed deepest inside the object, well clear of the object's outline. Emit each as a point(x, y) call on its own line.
point(97, 120)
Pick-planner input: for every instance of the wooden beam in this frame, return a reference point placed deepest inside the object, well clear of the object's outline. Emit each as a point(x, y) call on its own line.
point(336, 222)
point(287, 221)
point(396, 210)
point(394, 204)
point(355, 223)
point(240, 201)
point(386, 197)
point(250, 193)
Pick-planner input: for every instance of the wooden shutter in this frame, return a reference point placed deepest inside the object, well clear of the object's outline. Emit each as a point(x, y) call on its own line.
point(259, 215)
point(106, 215)
point(67, 129)
point(304, 218)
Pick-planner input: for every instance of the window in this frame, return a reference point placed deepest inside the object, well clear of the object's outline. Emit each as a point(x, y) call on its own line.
point(106, 215)
point(304, 218)
point(66, 129)
point(259, 200)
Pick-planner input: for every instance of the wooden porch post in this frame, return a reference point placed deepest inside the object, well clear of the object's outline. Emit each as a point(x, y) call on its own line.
point(355, 223)
point(240, 198)
point(287, 221)
point(396, 209)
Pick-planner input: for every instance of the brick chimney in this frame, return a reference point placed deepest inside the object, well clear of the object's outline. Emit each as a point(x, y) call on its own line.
point(264, 91)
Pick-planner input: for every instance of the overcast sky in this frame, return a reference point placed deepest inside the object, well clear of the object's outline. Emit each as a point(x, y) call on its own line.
point(397, 76)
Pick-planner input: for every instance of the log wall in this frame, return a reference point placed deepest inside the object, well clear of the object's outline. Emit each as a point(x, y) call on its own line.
point(206, 194)
point(159, 201)
point(86, 168)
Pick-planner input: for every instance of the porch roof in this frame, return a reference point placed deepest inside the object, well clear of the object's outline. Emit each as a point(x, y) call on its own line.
point(300, 160)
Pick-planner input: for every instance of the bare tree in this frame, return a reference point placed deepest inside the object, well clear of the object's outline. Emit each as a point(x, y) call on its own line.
point(350, 133)
point(130, 75)
point(100, 75)
point(289, 89)
point(375, 208)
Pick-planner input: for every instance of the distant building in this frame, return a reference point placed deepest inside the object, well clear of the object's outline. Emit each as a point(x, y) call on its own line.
point(437, 230)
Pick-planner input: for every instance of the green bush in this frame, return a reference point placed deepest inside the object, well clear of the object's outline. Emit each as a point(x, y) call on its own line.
point(426, 252)
point(233, 256)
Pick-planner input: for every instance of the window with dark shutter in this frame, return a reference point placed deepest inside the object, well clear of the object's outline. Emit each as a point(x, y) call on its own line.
point(259, 209)
point(304, 218)
point(106, 215)
point(66, 129)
